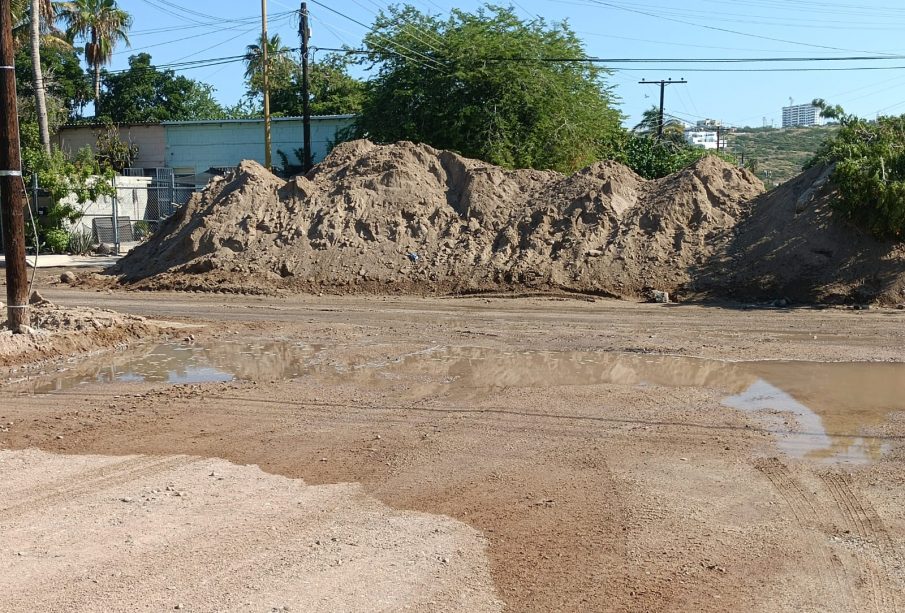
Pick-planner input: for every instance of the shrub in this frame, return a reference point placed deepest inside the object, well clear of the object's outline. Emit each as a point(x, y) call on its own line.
point(652, 158)
point(57, 240)
point(870, 171)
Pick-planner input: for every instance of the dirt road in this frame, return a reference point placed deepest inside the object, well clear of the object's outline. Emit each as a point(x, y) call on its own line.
point(605, 472)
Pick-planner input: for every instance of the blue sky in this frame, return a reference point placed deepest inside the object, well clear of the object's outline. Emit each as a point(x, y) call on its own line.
point(184, 30)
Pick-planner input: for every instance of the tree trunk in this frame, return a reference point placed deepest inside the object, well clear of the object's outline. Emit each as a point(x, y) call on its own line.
point(38, 75)
point(95, 62)
point(97, 90)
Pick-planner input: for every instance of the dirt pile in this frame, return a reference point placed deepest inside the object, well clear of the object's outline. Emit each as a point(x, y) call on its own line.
point(792, 245)
point(57, 331)
point(407, 217)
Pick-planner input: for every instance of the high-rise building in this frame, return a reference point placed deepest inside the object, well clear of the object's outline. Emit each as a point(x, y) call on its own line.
point(801, 115)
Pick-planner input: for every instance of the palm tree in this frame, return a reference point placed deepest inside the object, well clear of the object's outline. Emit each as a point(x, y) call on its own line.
point(278, 62)
point(102, 24)
point(36, 18)
point(673, 130)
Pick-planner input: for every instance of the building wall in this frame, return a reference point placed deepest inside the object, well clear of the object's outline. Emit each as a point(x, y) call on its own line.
point(702, 138)
point(801, 115)
point(151, 141)
point(195, 146)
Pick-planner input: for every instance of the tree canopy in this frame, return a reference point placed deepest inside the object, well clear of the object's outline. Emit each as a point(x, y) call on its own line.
point(869, 170)
point(144, 93)
point(102, 25)
point(479, 84)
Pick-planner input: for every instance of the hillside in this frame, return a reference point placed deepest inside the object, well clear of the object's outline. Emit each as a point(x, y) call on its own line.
point(778, 153)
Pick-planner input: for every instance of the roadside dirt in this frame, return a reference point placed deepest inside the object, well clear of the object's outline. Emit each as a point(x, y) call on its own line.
point(145, 533)
point(57, 331)
point(596, 488)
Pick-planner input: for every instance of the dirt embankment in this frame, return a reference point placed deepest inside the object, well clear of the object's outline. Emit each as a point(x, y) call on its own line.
point(57, 331)
point(794, 245)
point(407, 218)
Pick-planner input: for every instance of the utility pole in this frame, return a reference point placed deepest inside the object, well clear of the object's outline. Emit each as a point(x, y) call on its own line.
point(662, 85)
point(264, 44)
point(305, 33)
point(12, 190)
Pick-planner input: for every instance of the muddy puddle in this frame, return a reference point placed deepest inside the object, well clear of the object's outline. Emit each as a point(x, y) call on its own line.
point(179, 363)
point(821, 411)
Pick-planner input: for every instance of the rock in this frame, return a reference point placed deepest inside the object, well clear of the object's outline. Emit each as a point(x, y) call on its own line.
point(67, 277)
point(660, 297)
point(102, 249)
point(780, 303)
point(37, 298)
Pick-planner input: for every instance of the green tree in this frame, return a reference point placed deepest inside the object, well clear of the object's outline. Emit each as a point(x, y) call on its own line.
point(333, 91)
point(37, 19)
point(478, 83)
point(869, 171)
point(279, 64)
point(103, 25)
point(63, 79)
point(144, 93)
point(673, 130)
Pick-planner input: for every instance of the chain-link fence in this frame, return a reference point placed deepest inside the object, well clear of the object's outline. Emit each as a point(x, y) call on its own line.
point(143, 198)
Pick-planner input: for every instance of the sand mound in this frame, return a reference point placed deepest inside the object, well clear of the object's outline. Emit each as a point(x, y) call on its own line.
point(57, 331)
point(407, 217)
point(793, 246)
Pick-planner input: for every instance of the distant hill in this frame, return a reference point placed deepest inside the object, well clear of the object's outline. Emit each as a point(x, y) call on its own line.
point(778, 153)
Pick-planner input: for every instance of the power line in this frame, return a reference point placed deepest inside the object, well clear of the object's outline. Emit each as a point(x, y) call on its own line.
point(436, 64)
point(725, 30)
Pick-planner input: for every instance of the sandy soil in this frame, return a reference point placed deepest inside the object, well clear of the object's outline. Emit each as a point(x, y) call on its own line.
point(144, 533)
point(594, 493)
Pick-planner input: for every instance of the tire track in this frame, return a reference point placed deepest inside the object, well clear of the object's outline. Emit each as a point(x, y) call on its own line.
point(876, 543)
point(81, 484)
point(836, 593)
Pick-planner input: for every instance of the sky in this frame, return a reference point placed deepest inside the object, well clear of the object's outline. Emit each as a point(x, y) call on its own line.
point(748, 94)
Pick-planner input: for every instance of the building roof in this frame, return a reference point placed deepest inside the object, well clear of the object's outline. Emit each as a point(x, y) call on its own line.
point(200, 121)
point(253, 120)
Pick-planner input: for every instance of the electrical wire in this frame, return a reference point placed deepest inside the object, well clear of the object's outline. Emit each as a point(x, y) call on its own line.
point(437, 65)
point(725, 30)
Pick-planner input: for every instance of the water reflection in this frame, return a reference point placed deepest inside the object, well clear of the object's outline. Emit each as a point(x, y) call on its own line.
point(820, 411)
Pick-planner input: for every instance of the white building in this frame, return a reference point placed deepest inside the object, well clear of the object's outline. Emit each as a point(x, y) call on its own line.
point(706, 139)
point(801, 115)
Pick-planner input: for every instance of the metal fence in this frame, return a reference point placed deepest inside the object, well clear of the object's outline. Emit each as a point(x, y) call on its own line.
point(144, 197)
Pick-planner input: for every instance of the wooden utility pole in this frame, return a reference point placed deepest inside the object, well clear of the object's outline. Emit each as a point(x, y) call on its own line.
point(305, 33)
point(12, 190)
point(264, 44)
point(662, 85)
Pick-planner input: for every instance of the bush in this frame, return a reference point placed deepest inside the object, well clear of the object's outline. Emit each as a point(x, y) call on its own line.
point(652, 158)
point(870, 171)
point(57, 240)
point(141, 229)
